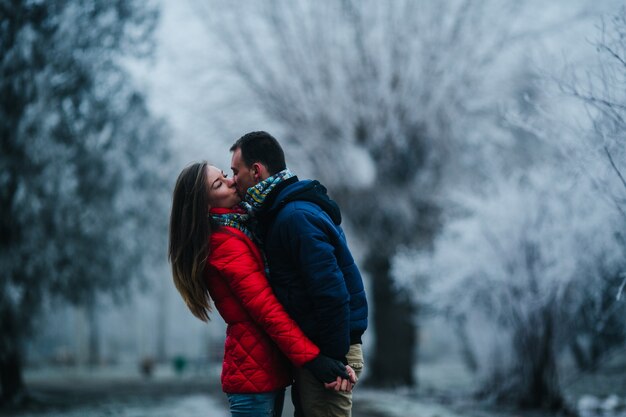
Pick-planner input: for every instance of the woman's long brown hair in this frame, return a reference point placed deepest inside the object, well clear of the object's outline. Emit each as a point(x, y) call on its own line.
point(190, 230)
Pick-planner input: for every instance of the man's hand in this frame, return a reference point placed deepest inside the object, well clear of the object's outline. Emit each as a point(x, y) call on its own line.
point(341, 384)
point(326, 369)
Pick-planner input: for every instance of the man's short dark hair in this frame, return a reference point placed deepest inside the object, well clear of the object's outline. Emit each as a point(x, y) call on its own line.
point(261, 147)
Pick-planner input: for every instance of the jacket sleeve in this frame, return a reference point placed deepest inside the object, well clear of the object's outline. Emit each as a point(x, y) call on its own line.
point(308, 239)
point(246, 278)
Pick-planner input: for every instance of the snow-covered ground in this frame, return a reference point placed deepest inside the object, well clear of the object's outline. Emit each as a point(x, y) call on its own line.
point(368, 402)
point(192, 405)
point(443, 392)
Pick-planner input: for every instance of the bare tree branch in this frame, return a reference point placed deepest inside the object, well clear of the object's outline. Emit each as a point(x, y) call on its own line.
point(617, 171)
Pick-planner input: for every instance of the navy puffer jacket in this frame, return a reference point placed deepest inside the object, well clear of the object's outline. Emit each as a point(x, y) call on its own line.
point(312, 271)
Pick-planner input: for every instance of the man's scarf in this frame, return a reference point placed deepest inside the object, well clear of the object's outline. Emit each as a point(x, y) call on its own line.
point(256, 195)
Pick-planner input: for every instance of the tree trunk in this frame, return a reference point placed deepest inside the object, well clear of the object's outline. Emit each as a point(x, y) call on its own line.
point(161, 330)
point(11, 380)
point(541, 379)
point(467, 353)
point(533, 382)
point(393, 319)
point(93, 349)
point(579, 354)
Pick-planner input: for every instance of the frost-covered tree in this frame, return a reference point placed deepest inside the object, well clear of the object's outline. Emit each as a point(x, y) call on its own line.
point(526, 256)
point(600, 329)
point(377, 97)
point(601, 149)
point(81, 162)
point(600, 152)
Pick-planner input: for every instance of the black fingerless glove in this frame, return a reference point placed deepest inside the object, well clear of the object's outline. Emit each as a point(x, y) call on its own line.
point(326, 369)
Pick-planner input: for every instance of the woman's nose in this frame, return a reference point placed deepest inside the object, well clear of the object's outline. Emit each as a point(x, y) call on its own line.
point(230, 182)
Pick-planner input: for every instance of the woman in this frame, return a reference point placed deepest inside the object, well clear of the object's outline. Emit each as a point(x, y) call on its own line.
point(213, 256)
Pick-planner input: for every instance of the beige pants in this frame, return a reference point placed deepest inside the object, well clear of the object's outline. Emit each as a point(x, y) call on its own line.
point(311, 399)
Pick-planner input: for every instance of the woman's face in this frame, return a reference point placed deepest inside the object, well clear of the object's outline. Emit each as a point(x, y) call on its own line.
point(222, 191)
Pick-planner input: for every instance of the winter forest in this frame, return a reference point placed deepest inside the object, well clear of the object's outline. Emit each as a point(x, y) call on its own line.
point(477, 149)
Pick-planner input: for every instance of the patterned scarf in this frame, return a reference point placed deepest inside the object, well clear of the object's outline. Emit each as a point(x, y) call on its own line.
point(236, 217)
point(255, 196)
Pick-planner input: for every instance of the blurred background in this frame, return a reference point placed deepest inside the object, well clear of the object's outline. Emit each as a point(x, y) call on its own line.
point(477, 150)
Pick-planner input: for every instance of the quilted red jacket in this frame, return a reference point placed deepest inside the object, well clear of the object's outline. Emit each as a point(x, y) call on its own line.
point(261, 339)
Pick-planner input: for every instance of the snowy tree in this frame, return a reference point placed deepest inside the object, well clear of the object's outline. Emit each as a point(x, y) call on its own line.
point(81, 162)
point(586, 127)
point(601, 149)
point(604, 93)
point(527, 255)
point(529, 261)
point(377, 97)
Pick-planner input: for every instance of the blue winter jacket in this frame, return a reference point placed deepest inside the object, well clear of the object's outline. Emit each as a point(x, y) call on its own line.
point(311, 268)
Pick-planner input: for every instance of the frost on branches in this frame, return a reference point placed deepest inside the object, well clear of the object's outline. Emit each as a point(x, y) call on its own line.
point(532, 258)
point(81, 162)
point(601, 150)
point(375, 97)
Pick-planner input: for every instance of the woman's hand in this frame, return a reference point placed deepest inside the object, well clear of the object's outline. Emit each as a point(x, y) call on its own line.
point(342, 384)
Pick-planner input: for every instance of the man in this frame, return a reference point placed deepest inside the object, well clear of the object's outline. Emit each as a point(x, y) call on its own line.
point(311, 268)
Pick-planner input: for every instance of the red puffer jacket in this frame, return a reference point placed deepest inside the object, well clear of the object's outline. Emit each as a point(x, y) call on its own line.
point(261, 338)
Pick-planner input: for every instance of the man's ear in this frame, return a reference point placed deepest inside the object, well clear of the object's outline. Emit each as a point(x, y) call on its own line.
point(259, 171)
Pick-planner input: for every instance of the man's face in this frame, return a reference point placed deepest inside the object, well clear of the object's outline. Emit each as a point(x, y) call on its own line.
point(243, 175)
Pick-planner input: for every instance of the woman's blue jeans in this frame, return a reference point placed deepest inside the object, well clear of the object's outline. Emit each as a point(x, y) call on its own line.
point(267, 404)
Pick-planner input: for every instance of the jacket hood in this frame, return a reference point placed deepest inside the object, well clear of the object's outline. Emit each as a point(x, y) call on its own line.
point(307, 190)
